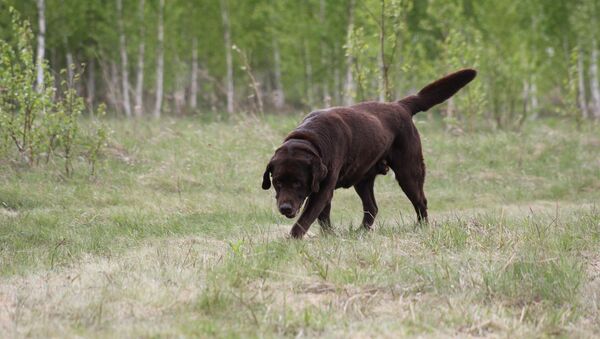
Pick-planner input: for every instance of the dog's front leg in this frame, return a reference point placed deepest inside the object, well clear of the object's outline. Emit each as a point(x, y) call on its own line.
point(314, 206)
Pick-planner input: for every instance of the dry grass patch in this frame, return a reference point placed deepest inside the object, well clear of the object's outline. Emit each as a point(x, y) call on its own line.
point(135, 292)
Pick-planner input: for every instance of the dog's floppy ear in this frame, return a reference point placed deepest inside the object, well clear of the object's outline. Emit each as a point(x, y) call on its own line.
point(319, 172)
point(266, 184)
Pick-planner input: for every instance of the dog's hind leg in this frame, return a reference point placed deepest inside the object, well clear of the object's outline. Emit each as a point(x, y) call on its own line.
point(409, 169)
point(323, 218)
point(365, 191)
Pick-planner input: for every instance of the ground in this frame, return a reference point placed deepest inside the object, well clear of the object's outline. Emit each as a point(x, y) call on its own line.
point(174, 236)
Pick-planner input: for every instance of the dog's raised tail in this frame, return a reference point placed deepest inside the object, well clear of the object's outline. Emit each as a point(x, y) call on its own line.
point(438, 91)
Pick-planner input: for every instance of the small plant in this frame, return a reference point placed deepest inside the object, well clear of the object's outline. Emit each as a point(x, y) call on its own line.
point(20, 103)
point(97, 140)
point(35, 122)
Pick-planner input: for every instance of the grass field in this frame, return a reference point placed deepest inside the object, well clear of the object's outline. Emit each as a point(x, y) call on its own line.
point(175, 237)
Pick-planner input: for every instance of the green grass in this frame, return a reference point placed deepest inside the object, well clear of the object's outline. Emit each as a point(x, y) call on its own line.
point(174, 236)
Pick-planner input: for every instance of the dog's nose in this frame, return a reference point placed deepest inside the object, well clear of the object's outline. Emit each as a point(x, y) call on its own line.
point(285, 208)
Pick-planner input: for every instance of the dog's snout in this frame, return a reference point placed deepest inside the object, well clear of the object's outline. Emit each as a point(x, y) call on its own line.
point(285, 208)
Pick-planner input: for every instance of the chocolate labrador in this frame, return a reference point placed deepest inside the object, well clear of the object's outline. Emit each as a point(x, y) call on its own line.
point(350, 146)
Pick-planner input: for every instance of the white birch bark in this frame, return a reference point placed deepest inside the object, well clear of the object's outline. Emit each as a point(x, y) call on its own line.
point(350, 86)
point(70, 65)
point(309, 75)
point(526, 105)
point(179, 94)
point(115, 96)
point(194, 81)
point(533, 94)
point(91, 84)
point(124, 61)
point(278, 93)
point(139, 85)
point(41, 44)
point(594, 86)
point(382, 66)
point(228, 57)
point(325, 84)
point(160, 60)
point(581, 99)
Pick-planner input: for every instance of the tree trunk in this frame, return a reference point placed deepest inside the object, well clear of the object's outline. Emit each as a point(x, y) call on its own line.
point(70, 67)
point(124, 66)
point(526, 105)
point(383, 76)
point(581, 99)
point(278, 94)
point(160, 60)
point(41, 44)
point(228, 57)
point(594, 86)
point(113, 91)
point(139, 85)
point(194, 80)
point(350, 86)
point(308, 75)
point(179, 94)
point(324, 68)
point(533, 94)
point(91, 84)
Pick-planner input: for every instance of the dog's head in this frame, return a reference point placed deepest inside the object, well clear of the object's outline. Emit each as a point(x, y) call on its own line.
point(297, 171)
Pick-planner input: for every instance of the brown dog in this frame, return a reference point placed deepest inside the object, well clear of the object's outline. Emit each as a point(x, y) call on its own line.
point(350, 146)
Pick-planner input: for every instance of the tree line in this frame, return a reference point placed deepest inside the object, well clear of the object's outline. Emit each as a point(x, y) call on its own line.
point(148, 57)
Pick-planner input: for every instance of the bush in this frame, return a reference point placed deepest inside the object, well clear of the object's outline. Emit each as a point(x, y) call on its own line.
point(41, 121)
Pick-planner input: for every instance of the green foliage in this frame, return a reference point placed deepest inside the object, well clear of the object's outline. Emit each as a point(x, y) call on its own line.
point(41, 121)
point(520, 48)
point(20, 103)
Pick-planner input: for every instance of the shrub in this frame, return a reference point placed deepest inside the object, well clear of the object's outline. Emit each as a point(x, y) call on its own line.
point(38, 122)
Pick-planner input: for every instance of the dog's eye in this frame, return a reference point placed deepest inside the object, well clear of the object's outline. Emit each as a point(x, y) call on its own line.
point(296, 184)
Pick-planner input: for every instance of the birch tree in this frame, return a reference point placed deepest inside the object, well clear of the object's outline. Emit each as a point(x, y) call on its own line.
point(194, 76)
point(323, 48)
point(228, 56)
point(278, 93)
point(124, 61)
point(383, 66)
point(91, 84)
point(590, 29)
point(160, 57)
point(581, 99)
point(350, 86)
point(594, 82)
point(308, 75)
point(41, 44)
point(139, 85)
